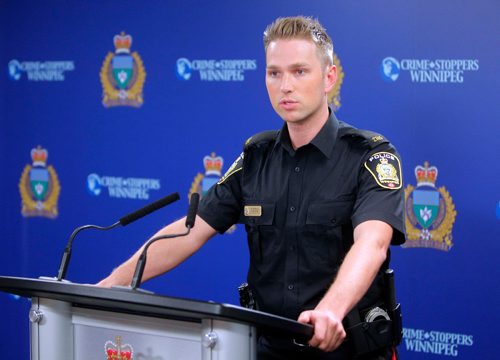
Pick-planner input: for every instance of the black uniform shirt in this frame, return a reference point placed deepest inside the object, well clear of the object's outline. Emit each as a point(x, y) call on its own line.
point(300, 207)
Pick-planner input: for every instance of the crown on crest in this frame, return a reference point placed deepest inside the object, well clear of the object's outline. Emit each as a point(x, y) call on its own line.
point(122, 43)
point(118, 351)
point(213, 164)
point(39, 156)
point(426, 175)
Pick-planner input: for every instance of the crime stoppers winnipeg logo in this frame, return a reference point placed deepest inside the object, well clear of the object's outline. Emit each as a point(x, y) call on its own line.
point(436, 342)
point(430, 212)
point(40, 70)
point(122, 75)
point(39, 187)
point(227, 70)
point(427, 70)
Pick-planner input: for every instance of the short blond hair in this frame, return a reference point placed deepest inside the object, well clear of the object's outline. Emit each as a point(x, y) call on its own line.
point(301, 27)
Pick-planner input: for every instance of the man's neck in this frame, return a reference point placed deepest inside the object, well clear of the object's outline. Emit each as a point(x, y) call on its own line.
point(302, 133)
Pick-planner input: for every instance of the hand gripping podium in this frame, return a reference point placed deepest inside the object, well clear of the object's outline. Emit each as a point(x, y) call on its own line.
point(82, 322)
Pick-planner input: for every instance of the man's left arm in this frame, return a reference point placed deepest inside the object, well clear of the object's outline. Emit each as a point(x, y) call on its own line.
point(357, 272)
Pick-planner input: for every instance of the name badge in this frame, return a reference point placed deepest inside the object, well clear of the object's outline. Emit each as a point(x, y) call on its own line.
point(253, 210)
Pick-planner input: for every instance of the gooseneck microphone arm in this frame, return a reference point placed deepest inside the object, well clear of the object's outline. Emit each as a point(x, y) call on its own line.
point(63, 268)
point(141, 262)
point(136, 215)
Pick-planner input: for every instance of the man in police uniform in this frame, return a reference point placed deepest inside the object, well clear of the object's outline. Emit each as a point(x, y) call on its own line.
point(321, 202)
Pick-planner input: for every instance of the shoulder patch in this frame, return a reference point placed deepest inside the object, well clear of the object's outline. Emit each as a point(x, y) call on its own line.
point(236, 166)
point(385, 169)
point(263, 136)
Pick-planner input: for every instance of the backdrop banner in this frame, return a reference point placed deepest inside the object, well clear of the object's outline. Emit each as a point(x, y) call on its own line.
point(107, 106)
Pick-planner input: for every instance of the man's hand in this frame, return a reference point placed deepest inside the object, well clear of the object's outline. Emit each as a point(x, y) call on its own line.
point(329, 332)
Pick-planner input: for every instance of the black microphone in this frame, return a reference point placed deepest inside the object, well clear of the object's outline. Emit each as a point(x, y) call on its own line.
point(141, 262)
point(192, 209)
point(136, 215)
point(148, 209)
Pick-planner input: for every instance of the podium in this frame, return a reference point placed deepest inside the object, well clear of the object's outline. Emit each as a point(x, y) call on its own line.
point(75, 321)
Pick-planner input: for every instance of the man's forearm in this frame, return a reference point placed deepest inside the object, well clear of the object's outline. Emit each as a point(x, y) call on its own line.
point(162, 255)
point(359, 268)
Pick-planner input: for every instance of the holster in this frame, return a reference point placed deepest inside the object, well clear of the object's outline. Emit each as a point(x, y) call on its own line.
point(382, 331)
point(246, 296)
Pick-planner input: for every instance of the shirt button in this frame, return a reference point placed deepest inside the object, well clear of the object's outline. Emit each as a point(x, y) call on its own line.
point(292, 208)
point(290, 287)
point(297, 169)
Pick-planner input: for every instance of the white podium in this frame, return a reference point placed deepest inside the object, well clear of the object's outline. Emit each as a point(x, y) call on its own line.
point(82, 322)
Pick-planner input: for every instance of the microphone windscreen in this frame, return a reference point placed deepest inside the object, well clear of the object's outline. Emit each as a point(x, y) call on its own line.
point(136, 215)
point(192, 210)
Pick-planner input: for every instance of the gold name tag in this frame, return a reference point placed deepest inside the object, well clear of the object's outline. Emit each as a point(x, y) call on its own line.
point(253, 210)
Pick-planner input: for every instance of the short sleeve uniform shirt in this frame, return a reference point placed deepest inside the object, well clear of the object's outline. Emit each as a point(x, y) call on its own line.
point(300, 207)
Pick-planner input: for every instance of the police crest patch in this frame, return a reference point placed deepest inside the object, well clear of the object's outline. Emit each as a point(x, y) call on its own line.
point(122, 75)
point(430, 212)
point(39, 187)
point(235, 167)
point(385, 169)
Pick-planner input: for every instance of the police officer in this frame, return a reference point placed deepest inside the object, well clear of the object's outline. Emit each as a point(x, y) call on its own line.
point(321, 202)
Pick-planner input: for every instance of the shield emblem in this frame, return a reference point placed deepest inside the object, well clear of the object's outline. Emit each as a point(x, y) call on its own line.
point(425, 206)
point(123, 68)
point(39, 180)
point(207, 183)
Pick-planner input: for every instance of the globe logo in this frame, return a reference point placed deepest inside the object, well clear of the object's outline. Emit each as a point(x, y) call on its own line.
point(94, 184)
point(14, 70)
point(390, 69)
point(183, 69)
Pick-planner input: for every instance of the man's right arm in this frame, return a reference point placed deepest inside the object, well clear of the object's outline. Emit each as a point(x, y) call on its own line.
point(163, 255)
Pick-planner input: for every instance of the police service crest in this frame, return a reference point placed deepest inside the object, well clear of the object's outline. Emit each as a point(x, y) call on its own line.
point(430, 212)
point(203, 182)
point(39, 187)
point(122, 75)
point(385, 169)
point(213, 171)
point(118, 351)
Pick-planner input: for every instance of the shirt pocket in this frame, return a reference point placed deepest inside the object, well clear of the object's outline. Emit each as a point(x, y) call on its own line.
point(328, 229)
point(330, 213)
point(258, 218)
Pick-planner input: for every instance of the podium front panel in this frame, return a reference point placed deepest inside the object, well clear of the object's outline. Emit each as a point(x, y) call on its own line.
point(67, 332)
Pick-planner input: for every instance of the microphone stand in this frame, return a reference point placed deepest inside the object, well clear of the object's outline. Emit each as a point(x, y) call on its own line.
point(141, 262)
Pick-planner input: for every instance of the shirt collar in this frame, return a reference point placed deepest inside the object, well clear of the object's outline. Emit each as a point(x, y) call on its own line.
point(324, 141)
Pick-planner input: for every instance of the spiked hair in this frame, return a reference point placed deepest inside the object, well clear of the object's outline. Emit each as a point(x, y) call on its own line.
point(301, 27)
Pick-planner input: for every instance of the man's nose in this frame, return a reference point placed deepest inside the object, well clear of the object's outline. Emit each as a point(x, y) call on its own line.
point(286, 83)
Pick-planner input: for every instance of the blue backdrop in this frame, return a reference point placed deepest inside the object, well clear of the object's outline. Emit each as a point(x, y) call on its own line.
point(106, 106)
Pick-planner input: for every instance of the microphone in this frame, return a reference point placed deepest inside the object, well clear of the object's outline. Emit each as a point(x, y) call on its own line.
point(141, 262)
point(136, 215)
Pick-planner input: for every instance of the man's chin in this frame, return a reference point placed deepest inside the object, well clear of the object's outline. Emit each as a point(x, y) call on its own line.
point(290, 116)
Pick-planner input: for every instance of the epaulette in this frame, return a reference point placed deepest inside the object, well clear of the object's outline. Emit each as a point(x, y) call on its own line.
point(373, 139)
point(263, 136)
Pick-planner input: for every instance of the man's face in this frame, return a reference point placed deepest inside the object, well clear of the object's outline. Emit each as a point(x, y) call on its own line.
point(297, 80)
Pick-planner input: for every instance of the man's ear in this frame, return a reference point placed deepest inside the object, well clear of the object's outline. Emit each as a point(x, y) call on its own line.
point(330, 78)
